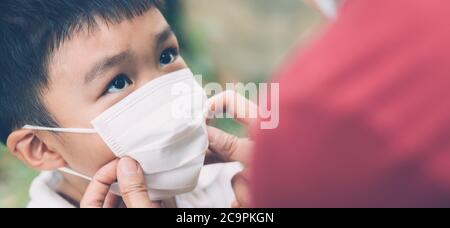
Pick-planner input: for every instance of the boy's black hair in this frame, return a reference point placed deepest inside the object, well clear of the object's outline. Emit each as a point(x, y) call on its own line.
point(30, 31)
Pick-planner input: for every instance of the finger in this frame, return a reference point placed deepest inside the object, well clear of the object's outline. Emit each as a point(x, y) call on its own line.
point(235, 105)
point(98, 189)
point(235, 204)
point(241, 189)
point(229, 147)
point(132, 185)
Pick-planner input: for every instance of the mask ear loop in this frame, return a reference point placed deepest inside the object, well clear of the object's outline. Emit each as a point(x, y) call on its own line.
point(61, 130)
point(71, 172)
point(114, 188)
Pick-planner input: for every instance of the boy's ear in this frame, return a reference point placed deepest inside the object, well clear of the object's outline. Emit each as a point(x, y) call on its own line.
point(31, 150)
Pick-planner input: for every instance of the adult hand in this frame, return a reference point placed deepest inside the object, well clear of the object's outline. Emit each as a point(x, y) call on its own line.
point(133, 189)
point(225, 147)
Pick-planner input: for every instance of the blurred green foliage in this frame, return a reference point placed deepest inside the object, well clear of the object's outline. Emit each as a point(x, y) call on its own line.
point(15, 179)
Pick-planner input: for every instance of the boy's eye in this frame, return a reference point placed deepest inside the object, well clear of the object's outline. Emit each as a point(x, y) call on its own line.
point(118, 84)
point(168, 56)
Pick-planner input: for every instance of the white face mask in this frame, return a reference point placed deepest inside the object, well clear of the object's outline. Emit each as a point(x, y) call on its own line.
point(162, 126)
point(328, 7)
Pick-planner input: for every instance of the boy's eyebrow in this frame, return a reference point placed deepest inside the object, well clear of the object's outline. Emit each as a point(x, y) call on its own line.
point(106, 64)
point(164, 35)
point(110, 62)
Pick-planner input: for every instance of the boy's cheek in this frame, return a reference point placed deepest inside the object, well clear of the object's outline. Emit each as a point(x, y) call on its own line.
point(87, 154)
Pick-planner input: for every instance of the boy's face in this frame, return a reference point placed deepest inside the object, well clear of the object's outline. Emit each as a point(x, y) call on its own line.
point(94, 70)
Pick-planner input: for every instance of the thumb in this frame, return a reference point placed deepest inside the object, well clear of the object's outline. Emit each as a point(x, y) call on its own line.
point(229, 147)
point(132, 185)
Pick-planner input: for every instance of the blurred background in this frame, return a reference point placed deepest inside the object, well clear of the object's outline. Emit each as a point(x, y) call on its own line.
point(225, 41)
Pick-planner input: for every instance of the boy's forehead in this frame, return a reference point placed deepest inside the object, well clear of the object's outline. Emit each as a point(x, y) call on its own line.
point(88, 46)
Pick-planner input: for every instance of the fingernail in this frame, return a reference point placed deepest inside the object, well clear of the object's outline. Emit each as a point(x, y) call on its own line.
point(128, 166)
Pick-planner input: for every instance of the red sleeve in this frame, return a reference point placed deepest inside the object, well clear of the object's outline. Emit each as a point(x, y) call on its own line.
point(364, 113)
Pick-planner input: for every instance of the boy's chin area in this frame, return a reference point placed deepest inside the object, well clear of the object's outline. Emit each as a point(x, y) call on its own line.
point(72, 188)
point(84, 154)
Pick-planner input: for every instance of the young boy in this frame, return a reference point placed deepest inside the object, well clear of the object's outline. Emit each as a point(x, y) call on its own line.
point(63, 63)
